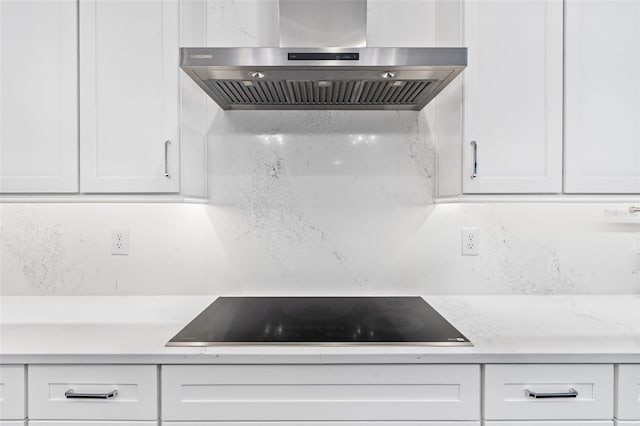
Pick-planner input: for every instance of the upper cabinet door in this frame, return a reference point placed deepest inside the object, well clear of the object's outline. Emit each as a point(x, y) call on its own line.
point(602, 90)
point(513, 97)
point(129, 95)
point(38, 96)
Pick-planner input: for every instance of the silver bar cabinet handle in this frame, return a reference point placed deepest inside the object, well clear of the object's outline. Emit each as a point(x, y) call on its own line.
point(166, 158)
point(571, 393)
point(634, 209)
point(70, 394)
point(475, 160)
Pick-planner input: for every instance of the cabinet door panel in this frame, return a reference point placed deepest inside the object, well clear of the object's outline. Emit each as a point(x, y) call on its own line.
point(628, 392)
point(129, 95)
point(12, 392)
point(513, 97)
point(602, 86)
point(38, 96)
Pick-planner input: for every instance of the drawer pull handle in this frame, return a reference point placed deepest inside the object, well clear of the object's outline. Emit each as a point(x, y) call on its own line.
point(70, 394)
point(634, 209)
point(572, 393)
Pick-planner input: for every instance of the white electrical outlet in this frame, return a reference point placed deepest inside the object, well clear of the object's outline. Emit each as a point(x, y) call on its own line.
point(120, 241)
point(470, 241)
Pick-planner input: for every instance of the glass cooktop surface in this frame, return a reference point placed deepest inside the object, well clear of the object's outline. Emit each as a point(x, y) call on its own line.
point(319, 321)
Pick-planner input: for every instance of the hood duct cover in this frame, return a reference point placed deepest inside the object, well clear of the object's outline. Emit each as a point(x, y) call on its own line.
point(323, 77)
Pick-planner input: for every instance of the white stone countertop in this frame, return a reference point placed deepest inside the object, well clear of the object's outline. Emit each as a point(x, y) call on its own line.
point(503, 329)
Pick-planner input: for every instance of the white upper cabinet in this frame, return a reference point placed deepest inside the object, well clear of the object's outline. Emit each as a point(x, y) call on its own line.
point(38, 96)
point(513, 97)
point(129, 96)
point(602, 97)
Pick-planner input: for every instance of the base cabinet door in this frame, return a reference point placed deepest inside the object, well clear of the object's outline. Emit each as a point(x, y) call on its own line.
point(12, 394)
point(628, 392)
point(326, 393)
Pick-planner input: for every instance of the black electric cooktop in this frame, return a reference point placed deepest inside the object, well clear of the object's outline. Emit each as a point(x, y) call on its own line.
point(319, 321)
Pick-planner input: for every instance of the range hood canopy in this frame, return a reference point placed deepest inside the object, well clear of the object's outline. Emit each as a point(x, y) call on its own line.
point(327, 77)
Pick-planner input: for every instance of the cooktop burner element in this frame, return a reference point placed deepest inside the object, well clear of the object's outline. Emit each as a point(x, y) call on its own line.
point(319, 321)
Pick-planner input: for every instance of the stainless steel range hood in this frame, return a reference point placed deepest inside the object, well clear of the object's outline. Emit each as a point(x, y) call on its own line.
point(323, 77)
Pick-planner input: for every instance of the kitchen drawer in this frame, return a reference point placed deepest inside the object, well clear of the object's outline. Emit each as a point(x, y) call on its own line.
point(506, 386)
point(137, 387)
point(88, 423)
point(12, 392)
point(627, 422)
point(323, 424)
point(551, 423)
point(13, 422)
point(320, 392)
point(628, 392)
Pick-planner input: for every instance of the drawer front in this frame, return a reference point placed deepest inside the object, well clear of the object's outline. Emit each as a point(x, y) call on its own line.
point(628, 392)
point(627, 422)
point(136, 386)
point(88, 423)
point(13, 422)
point(506, 389)
point(320, 392)
point(551, 423)
point(12, 392)
point(322, 424)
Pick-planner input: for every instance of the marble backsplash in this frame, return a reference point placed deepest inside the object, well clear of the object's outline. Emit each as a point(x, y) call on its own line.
point(289, 248)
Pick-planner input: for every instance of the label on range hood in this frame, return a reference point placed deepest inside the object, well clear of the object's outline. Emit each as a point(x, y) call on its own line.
point(324, 56)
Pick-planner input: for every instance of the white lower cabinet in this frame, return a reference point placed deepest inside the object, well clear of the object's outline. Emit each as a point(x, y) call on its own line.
point(320, 393)
point(321, 423)
point(12, 395)
point(551, 423)
point(549, 392)
point(93, 392)
point(88, 423)
point(628, 393)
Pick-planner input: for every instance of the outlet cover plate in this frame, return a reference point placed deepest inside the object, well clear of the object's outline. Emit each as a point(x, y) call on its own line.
point(120, 241)
point(470, 241)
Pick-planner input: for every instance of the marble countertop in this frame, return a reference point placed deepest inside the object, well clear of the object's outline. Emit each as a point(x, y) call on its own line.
point(134, 329)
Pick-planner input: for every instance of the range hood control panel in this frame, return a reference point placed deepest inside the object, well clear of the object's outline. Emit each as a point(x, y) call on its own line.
point(316, 56)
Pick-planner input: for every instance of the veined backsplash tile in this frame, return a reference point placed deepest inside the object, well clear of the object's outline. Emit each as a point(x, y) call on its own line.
point(260, 159)
point(289, 247)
